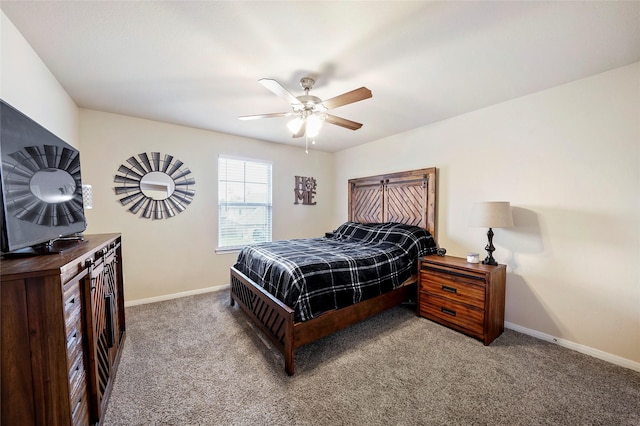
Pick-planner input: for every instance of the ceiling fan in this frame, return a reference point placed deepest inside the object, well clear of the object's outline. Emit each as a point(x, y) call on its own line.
point(310, 111)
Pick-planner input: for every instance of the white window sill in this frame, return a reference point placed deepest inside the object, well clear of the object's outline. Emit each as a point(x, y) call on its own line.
point(228, 250)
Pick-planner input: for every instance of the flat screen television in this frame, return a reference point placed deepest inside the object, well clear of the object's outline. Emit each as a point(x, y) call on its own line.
point(40, 187)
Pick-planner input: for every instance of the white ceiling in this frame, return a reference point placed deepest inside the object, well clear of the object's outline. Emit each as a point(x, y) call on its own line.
point(198, 63)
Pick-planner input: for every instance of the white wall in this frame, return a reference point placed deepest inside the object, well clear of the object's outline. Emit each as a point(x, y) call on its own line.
point(568, 159)
point(175, 255)
point(27, 85)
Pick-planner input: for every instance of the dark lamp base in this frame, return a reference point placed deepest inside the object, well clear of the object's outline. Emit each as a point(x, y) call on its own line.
point(489, 261)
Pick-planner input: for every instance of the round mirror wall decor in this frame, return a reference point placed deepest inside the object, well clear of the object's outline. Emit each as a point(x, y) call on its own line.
point(156, 186)
point(45, 183)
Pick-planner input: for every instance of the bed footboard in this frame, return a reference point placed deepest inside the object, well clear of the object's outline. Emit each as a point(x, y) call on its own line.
point(276, 320)
point(273, 317)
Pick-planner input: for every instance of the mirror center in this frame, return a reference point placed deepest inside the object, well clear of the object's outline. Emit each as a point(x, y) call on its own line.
point(53, 185)
point(157, 185)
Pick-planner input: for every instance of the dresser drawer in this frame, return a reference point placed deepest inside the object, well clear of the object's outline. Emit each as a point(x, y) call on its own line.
point(74, 339)
point(463, 273)
point(76, 370)
point(79, 403)
point(78, 386)
point(470, 318)
point(71, 303)
point(454, 289)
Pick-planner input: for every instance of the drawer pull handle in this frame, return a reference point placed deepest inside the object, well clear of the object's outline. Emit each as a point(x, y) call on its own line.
point(448, 311)
point(450, 289)
point(70, 303)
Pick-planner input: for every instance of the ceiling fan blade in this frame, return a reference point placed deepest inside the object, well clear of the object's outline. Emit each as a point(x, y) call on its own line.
point(255, 117)
point(343, 122)
point(303, 128)
point(348, 98)
point(277, 88)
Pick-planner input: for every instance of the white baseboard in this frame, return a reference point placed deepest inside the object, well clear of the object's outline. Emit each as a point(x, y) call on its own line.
point(596, 353)
point(174, 295)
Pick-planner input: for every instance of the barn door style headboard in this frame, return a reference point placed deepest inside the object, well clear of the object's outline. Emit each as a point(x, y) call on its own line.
point(403, 197)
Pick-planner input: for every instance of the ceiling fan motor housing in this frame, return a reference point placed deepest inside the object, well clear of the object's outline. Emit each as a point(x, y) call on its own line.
point(311, 102)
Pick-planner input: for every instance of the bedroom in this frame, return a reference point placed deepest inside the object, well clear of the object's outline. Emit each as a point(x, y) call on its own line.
point(566, 157)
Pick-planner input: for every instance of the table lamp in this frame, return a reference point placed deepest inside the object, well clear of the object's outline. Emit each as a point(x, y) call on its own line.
point(491, 214)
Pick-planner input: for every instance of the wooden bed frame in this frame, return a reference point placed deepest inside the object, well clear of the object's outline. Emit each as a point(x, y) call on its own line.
point(404, 197)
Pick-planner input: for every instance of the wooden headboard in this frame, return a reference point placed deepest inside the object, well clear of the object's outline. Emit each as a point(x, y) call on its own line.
point(404, 197)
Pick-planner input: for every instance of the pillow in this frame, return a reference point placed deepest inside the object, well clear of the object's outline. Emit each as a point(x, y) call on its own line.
point(415, 241)
point(358, 231)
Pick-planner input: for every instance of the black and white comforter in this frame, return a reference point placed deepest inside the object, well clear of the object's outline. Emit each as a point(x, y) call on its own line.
point(358, 262)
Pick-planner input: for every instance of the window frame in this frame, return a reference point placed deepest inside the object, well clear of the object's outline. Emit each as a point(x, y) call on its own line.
point(268, 205)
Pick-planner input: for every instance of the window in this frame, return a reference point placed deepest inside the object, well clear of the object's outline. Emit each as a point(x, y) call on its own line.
point(244, 202)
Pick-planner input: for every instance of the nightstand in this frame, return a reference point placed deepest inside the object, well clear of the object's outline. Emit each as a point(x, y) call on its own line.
point(467, 297)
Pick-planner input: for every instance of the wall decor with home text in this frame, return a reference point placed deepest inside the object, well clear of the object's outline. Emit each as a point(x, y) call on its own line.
point(304, 190)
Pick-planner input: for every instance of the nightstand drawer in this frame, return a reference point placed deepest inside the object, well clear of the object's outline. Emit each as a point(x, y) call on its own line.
point(467, 274)
point(464, 316)
point(455, 288)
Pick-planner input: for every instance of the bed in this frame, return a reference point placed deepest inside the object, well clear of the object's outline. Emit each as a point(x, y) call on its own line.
point(379, 206)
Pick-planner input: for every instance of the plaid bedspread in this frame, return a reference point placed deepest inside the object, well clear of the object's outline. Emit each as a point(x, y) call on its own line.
point(358, 262)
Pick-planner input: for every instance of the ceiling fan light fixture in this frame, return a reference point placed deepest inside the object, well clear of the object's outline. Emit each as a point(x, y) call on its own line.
point(295, 125)
point(314, 123)
point(311, 111)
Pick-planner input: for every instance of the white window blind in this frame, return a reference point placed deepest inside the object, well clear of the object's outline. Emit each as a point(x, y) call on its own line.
point(244, 202)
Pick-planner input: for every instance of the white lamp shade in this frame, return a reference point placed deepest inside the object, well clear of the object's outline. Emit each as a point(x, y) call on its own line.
point(492, 214)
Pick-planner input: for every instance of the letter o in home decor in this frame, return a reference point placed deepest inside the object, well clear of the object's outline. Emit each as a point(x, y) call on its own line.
point(158, 188)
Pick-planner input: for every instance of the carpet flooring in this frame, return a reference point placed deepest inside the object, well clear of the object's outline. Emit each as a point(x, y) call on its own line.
point(198, 361)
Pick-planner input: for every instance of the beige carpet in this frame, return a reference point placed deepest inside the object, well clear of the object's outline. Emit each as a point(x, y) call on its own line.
point(198, 361)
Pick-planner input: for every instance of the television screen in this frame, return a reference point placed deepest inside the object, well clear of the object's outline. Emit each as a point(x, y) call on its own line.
point(41, 186)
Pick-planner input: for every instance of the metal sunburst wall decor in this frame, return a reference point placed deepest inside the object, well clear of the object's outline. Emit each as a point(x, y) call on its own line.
point(45, 184)
point(158, 187)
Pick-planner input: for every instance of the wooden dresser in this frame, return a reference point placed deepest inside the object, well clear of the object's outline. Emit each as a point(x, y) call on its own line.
point(468, 297)
point(63, 325)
